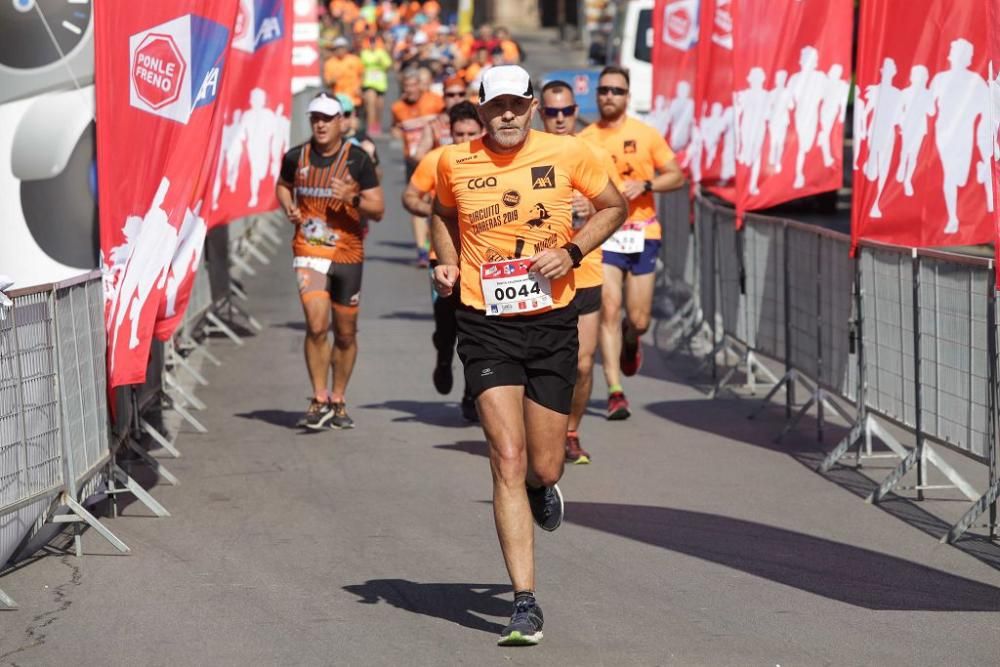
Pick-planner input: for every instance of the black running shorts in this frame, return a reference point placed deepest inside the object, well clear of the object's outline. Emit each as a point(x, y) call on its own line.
point(588, 299)
point(538, 352)
point(341, 283)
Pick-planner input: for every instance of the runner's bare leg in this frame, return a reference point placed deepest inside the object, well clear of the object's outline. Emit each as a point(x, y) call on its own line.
point(611, 324)
point(345, 348)
point(317, 343)
point(638, 304)
point(588, 330)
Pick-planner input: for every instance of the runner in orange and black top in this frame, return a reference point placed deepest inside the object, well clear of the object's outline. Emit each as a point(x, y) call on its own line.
point(417, 199)
point(558, 113)
point(503, 230)
point(413, 111)
point(647, 166)
point(326, 187)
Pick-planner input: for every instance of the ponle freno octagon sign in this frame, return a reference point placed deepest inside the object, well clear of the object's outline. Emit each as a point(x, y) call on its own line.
point(158, 72)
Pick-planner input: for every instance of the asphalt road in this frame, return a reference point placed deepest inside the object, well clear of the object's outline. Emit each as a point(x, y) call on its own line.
point(691, 539)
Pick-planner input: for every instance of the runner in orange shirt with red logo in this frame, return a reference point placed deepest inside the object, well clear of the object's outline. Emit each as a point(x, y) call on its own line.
point(647, 166)
point(417, 199)
point(503, 231)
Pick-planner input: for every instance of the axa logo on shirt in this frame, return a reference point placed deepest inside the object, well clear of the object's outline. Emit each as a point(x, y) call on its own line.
point(543, 177)
point(176, 67)
point(258, 23)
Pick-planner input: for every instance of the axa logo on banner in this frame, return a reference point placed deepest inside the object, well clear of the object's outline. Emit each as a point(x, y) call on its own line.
point(680, 24)
point(176, 67)
point(258, 23)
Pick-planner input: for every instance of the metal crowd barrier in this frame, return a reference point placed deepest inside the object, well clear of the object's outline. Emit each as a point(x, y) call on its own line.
point(909, 337)
point(58, 446)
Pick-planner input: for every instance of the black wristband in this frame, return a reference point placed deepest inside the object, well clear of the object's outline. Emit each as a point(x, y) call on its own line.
point(649, 186)
point(356, 201)
point(575, 254)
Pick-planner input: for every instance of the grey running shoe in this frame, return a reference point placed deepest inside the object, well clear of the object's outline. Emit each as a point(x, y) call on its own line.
point(316, 417)
point(546, 506)
point(340, 417)
point(525, 627)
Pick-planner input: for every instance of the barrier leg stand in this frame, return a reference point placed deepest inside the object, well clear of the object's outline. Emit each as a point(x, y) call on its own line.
point(267, 230)
point(153, 463)
point(175, 359)
point(728, 346)
point(861, 437)
point(133, 487)
point(245, 315)
point(159, 438)
point(238, 291)
point(179, 408)
point(785, 381)
point(855, 436)
point(219, 325)
point(80, 514)
point(202, 349)
point(754, 367)
point(242, 264)
point(256, 253)
point(7, 602)
point(190, 398)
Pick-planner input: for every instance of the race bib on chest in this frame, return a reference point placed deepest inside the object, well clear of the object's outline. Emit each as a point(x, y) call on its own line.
point(510, 288)
point(630, 238)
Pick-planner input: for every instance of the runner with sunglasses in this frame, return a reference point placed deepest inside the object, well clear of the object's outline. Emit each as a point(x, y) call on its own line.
point(558, 112)
point(503, 230)
point(326, 186)
point(646, 165)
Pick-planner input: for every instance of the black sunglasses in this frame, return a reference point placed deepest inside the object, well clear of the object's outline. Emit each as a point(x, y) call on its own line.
point(458, 93)
point(611, 90)
point(316, 117)
point(553, 112)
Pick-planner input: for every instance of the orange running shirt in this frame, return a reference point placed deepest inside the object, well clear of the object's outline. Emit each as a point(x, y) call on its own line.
point(308, 174)
point(424, 178)
point(516, 205)
point(344, 75)
point(590, 273)
point(638, 151)
point(412, 118)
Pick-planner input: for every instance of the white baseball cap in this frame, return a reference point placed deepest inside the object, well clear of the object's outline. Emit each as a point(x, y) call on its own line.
point(326, 105)
point(420, 38)
point(505, 80)
point(341, 42)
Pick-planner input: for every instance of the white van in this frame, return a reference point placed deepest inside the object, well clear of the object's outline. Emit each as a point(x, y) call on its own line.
point(632, 48)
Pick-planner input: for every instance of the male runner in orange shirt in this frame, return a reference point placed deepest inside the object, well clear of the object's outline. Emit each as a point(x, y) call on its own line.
point(343, 71)
point(411, 113)
point(417, 199)
point(558, 113)
point(326, 187)
point(503, 230)
point(647, 166)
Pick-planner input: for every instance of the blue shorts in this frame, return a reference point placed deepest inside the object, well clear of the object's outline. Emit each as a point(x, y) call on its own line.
point(636, 263)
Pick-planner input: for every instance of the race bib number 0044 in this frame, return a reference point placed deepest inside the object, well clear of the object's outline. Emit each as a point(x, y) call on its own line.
point(510, 288)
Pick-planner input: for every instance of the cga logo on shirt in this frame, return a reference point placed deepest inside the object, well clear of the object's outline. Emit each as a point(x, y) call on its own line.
point(258, 23)
point(481, 183)
point(176, 67)
point(543, 177)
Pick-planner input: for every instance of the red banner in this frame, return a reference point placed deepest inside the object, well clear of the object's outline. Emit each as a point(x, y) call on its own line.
point(712, 154)
point(925, 124)
point(256, 102)
point(675, 36)
point(159, 71)
point(791, 71)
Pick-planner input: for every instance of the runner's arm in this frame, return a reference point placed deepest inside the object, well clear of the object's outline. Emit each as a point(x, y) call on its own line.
point(611, 213)
point(445, 241)
point(283, 192)
point(416, 202)
point(372, 204)
point(426, 143)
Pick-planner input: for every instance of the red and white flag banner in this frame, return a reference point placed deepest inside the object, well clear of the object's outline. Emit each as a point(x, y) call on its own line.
point(159, 74)
point(925, 123)
point(675, 38)
point(256, 102)
point(791, 77)
point(305, 45)
point(712, 152)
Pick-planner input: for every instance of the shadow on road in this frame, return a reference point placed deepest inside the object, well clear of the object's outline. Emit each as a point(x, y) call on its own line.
point(405, 261)
point(717, 417)
point(457, 603)
point(476, 447)
point(834, 570)
point(408, 315)
point(432, 413)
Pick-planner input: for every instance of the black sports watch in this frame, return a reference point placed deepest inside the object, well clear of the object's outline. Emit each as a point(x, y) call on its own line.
point(356, 201)
point(648, 186)
point(575, 254)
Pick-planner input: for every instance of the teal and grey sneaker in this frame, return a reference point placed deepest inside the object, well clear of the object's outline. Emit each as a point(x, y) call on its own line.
point(316, 417)
point(525, 627)
point(340, 417)
point(546, 506)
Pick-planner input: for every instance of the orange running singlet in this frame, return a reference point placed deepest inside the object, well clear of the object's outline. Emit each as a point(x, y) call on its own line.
point(590, 273)
point(638, 151)
point(516, 205)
